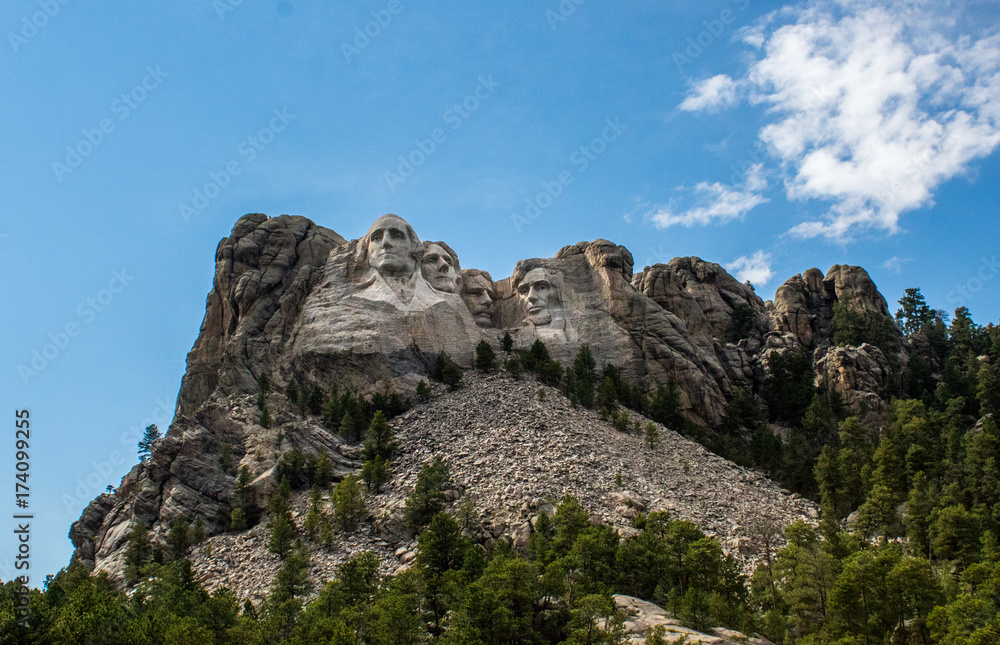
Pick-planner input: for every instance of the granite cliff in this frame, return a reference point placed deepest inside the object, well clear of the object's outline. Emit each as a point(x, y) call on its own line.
point(293, 300)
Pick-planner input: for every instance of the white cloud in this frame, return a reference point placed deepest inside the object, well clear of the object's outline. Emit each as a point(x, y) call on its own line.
point(895, 264)
point(710, 94)
point(756, 268)
point(715, 202)
point(870, 107)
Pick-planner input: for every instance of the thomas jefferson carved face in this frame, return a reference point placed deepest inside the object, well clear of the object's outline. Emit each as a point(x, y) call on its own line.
point(538, 293)
point(438, 267)
point(393, 247)
point(476, 290)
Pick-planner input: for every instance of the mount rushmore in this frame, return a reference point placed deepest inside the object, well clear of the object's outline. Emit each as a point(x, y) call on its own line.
point(294, 300)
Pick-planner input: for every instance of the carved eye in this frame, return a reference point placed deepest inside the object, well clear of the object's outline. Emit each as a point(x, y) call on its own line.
point(376, 236)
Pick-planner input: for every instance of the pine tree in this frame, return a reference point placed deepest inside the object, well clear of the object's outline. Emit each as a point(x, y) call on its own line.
point(292, 392)
point(451, 375)
point(652, 435)
point(381, 441)
point(137, 553)
point(265, 417)
point(315, 516)
point(325, 534)
point(918, 516)
point(506, 343)
point(348, 427)
point(238, 519)
point(375, 473)
point(179, 538)
point(314, 400)
point(665, 407)
point(423, 391)
point(243, 499)
point(584, 374)
point(514, 367)
point(149, 439)
point(914, 313)
point(348, 504)
point(988, 391)
point(281, 528)
point(427, 496)
point(486, 358)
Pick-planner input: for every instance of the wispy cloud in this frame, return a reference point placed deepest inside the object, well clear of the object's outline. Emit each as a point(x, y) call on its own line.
point(870, 107)
point(755, 268)
point(713, 203)
point(895, 264)
point(711, 94)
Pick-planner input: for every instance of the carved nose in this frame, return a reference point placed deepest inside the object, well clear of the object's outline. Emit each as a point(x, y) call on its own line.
point(532, 296)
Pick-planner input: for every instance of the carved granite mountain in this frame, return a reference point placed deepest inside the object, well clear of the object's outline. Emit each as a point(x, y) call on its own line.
point(291, 299)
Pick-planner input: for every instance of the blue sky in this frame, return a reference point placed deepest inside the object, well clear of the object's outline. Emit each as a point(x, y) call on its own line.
point(766, 137)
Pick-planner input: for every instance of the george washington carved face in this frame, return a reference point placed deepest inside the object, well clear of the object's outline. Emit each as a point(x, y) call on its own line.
point(392, 246)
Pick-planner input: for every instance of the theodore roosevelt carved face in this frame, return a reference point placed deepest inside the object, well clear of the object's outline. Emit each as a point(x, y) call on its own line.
point(477, 292)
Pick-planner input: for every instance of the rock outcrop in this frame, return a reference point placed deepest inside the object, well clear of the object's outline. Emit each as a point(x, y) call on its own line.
point(860, 375)
point(802, 318)
point(263, 272)
point(644, 617)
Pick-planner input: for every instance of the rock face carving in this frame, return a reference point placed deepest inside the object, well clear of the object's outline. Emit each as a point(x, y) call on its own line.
point(440, 267)
point(293, 299)
point(541, 299)
point(392, 252)
point(380, 315)
point(478, 293)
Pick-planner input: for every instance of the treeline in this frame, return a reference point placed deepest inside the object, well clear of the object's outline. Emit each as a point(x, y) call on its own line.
point(455, 592)
point(906, 551)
